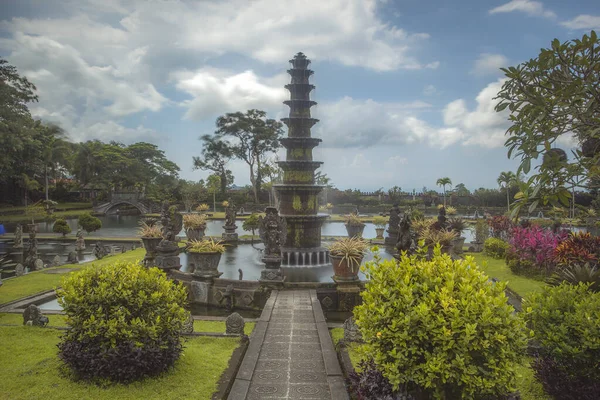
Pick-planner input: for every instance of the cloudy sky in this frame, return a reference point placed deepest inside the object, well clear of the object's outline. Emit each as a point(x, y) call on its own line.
point(404, 87)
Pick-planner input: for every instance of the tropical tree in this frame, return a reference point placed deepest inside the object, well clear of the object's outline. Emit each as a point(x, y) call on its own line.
point(216, 154)
point(550, 97)
point(213, 184)
point(251, 137)
point(443, 182)
point(506, 180)
point(461, 190)
point(56, 150)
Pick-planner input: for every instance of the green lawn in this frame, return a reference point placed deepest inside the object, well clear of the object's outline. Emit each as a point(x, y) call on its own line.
point(58, 214)
point(498, 269)
point(40, 281)
point(31, 370)
point(60, 207)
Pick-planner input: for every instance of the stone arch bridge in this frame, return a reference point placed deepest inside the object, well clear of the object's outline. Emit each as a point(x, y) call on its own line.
point(133, 199)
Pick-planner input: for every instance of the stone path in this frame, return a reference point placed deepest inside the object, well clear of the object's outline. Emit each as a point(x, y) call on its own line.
point(290, 355)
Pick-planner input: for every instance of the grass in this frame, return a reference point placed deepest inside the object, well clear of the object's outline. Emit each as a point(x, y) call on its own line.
point(497, 268)
point(58, 214)
point(32, 370)
point(60, 207)
point(17, 319)
point(40, 281)
point(526, 383)
point(219, 326)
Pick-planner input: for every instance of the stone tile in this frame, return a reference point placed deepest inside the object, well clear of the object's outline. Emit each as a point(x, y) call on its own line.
point(304, 326)
point(280, 338)
point(305, 355)
point(276, 346)
point(309, 391)
point(272, 365)
point(279, 331)
point(313, 347)
point(307, 377)
point(301, 320)
point(307, 365)
point(274, 355)
point(267, 391)
point(296, 338)
point(270, 377)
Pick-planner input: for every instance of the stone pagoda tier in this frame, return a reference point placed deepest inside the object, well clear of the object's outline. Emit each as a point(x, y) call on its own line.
point(298, 193)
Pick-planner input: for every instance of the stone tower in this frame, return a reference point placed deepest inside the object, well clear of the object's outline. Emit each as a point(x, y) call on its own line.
point(298, 192)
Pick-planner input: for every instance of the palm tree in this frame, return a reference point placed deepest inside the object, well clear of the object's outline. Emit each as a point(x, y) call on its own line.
point(55, 150)
point(443, 182)
point(506, 180)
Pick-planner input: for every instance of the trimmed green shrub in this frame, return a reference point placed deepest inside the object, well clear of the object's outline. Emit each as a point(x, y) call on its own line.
point(61, 226)
point(495, 248)
point(251, 223)
point(566, 323)
point(89, 223)
point(440, 328)
point(124, 322)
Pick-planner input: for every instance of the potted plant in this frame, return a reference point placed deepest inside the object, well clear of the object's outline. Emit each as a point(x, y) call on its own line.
point(380, 223)
point(443, 237)
point(482, 232)
point(354, 226)
point(204, 257)
point(346, 255)
point(457, 225)
point(151, 237)
point(203, 207)
point(194, 226)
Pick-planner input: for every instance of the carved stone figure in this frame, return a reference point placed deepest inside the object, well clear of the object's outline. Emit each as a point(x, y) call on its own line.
point(230, 214)
point(19, 270)
point(72, 258)
point(99, 251)
point(441, 219)
point(168, 251)
point(32, 316)
point(32, 254)
point(80, 242)
point(351, 331)
point(228, 297)
point(188, 325)
point(393, 225)
point(56, 261)
point(404, 235)
point(273, 232)
point(241, 274)
point(234, 325)
point(18, 237)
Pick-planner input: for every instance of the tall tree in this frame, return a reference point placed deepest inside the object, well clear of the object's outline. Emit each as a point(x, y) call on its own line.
point(213, 183)
point(461, 190)
point(216, 154)
point(506, 180)
point(550, 96)
point(443, 182)
point(252, 138)
point(56, 150)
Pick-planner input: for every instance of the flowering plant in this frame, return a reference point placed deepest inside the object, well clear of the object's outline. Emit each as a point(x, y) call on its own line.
point(535, 245)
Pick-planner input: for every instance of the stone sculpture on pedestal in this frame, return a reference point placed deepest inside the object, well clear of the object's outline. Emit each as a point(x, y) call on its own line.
point(32, 316)
point(99, 251)
point(441, 219)
point(32, 255)
point(404, 236)
point(230, 214)
point(18, 244)
point(168, 251)
point(273, 232)
point(80, 242)
point(234, 324)
point(393, 225)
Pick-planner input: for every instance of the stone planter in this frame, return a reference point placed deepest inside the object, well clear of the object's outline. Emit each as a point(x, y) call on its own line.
point(475, 247)
point(150, 244)
point(355, 230)
point(204, 265)
point(379, 232)
point(195, 234)
point(458, 244)
point(343, 271)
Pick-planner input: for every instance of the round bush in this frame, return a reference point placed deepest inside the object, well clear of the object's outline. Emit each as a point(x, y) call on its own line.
point(495, 248)
point(89, 223)
point(440, 327)
point(124, 322)
point(566, 323)
point(61, 226)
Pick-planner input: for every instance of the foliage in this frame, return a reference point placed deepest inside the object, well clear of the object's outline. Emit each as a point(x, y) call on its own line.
point(353, 220)
point(369, 383)
point(548, 97)
point(416, 214)
point(124, 322)
point(380, 222)
point(440, 326)
point(534, 247)
point(566, 323)
point(578, 249)
point(482, 231)
point(225, 204)
point(194, 221)
point(205, 246)
point(216, 154)
point(501, 226)
point(149, 231)
point(351, 249)
point(506, 180)
point(443, 182)
point(422, 225)
point(457, 225)
point(576, 274)
point(61, 226)
point(251, 223)
point(433, 236)
point(89, 223)
point(495, 248)
point(203, 207)
point(191, 192)
point(451, 210)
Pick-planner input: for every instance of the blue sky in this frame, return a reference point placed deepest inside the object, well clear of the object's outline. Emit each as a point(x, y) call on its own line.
point(405, 88)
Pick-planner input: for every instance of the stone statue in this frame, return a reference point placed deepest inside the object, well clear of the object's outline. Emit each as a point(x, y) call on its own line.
point(18, 237)
point(167, 251)
point(241, 274)
point(351, 331)
point(32, 316)
point(32, 254)
point(404, 236)
point(441, 219)
point(228, 297)
point(99, 251)
point(272, 230)
point(80, 242)
point(230, 214)
point(188, 325)
point(393, 224)
point(19, 270)
point(72, 258)
point(234, 324)
point(56, 261)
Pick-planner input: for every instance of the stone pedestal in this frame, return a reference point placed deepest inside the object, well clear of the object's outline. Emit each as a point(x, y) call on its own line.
point(272, 276)
point(348, 295)
point(230, 235)
point(392, 238)
point(167, 256)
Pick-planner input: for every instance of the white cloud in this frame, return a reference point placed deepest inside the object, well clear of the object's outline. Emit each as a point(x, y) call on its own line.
point(488, 63)
point(396, 161)
point(529, 7)
point(429, 90)
point(583, 21)
point(217, 91)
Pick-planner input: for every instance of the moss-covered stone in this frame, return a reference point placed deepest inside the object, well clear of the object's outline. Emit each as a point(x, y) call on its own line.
point(298, 176)
point(297, 203)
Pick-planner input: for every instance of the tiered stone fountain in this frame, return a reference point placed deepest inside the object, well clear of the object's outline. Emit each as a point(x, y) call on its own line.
point(298, 192)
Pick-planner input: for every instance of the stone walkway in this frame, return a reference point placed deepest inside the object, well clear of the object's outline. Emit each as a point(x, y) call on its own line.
point(290, 355)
